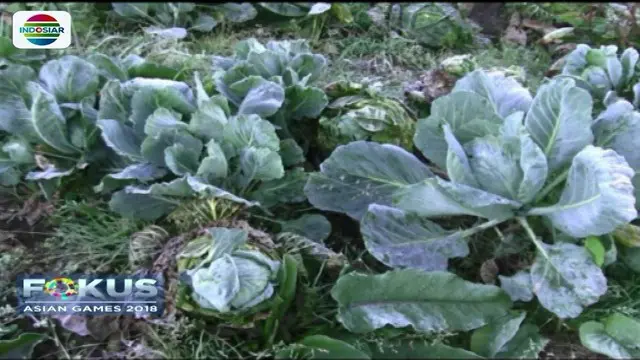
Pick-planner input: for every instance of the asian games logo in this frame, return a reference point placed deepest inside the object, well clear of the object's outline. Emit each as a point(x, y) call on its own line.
point(61, 288)
point(41, 29)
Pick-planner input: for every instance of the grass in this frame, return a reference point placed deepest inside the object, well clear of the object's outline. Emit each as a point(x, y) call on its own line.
point(89, 237)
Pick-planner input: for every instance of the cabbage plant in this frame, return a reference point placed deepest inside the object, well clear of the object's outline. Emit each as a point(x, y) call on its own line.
point(175, 146)
point(48, 118)
point(222, 273)
point(358, 113)
point(541, 163)
point(291, 69)
point(602, 71)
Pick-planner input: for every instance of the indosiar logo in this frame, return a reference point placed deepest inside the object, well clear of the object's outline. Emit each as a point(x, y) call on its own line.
point(41, 29)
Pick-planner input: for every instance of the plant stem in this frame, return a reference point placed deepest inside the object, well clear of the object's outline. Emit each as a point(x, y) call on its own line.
point(481, 227)
point(532, 235)
point(547, 189)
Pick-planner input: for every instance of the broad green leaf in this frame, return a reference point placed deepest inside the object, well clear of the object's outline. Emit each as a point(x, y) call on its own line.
point(225, 241)
point(312, 226)
point(526, 344)
point(628, 60)
point(263, 100)
point(412, 349)
point(244, 131)
point(518, 286)
point(427, 301)
point(108, 67)
point(163, 119)
point(560, 121)
point(208, 121)
point(308, 66)
point(260, 164)
point(615, 338)
point(70, 78)
point(48, 121)
point(362, 173)
point(181, 160)
point(237, 12)
point(304, 102)
point(291, 153)
point(288, 189)
point(534, 167)
point(153, 147)
point(565, 279)
point(505, 94)
point(115, 103)
point(218, 284)
point(131, 9)
point(14, 112)
point(143, 173)
point(597, 250)
point(150, 203)
point(19, 151)
point(488, 340)
point(399, 239)
point(20, 347)
point(284, 9)
point(458, 167)
point(268, 63)
point(254, 279)
point(121, 138)
point(321, 347)
point(147, 100)
point(469, 116)
point(214, 165)
point(436, 197)
point(598, 195)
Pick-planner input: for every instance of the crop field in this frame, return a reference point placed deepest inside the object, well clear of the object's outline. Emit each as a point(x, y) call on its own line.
point(321, 180)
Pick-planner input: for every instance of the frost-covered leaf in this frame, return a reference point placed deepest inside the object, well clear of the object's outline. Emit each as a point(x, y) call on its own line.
point(143, 173)
point(598, 196)
point(108, 67)
point(565, 279)
point(518, 286)
point(237, 12)
point(436, 197)
point(48, 121)
point(263, 100)
point(121, 138)
point(427, 301)
point(51, 172)
point(560, 121)
point(615, 338)
point(70, 78)
point(362, 173)
point(218, 284)
point(175, 33)
point(469, 116)
point(505, 94)
point(225, 241)
point(312, 226)
point(254, 280)
point(399, 239)
point(163, 119)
